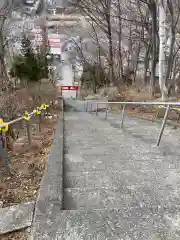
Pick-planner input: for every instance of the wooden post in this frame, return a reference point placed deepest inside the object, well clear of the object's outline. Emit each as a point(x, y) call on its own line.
point(42, 116)
point(4, 137)
point(40, 121)
point(29, 133)
point(4, 155)
point(21, 124)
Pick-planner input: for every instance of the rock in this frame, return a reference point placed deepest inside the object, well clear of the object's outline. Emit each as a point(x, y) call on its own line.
point(28, 230)
point(48, 117)
point(16, 217)
point(19, 144)
point(18, 147)
point(1, 204)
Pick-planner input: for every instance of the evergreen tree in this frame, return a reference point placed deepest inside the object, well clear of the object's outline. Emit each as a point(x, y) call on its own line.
point(26, 47)
point(30, 65)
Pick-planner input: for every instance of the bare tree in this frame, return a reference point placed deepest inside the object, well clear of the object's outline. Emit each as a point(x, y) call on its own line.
point(4, 12)
point(168, 23)
point(100, 14)
point(150, 27)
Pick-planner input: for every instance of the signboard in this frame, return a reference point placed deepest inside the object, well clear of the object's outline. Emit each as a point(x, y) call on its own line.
point(54, 40)
point(54, 44)
point(55, 50)
point(69, 87)
point(54, 36)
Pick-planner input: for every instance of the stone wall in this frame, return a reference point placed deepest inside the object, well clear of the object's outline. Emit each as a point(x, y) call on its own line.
point(51, 189)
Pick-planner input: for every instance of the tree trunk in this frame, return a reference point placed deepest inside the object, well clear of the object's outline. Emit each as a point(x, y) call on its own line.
point(135, 61)
point(171, 43)
point(154, 46)
point(146, 62)
point(119, 43)
point(174, 78)
point(162, 60)
point(129, 66)
point(111, 55)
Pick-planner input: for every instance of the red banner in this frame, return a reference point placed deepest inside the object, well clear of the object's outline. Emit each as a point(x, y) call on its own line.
point(54, 44)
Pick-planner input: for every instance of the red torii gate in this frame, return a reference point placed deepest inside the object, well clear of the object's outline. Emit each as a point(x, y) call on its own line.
point(76, 88)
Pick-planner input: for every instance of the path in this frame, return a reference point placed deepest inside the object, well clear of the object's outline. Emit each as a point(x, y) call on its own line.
point(67, 80)
point(115, 185)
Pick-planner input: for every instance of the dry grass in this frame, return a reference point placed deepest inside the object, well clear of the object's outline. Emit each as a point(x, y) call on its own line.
point(133, 93)
point(27, 170)
point(42, 92)
point(27, 167)
point(28, 163)
point(19, 235)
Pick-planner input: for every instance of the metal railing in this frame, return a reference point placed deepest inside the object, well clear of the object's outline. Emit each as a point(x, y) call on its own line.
point(167, 105)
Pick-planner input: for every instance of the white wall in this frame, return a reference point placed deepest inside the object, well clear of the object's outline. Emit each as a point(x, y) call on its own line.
point(55, 50)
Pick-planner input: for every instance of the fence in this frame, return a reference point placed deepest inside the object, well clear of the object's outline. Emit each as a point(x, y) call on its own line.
point(4, 128)
point(167, 105)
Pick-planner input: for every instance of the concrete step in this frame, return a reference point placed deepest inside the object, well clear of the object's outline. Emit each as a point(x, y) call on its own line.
point(79, 162)
point(90, 166)
point(106, 179)
point(89, 179)
point(91, 149)
point(124, 194)
point(96, 198)
point(116, 224)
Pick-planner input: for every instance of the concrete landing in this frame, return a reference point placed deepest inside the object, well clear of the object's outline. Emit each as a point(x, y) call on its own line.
point(16, 217)
point(117, 224)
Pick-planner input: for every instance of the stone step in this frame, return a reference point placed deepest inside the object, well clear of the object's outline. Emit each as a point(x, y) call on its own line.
point(78, 162)
point(96, 198)
point(91, 149)
point(117, 196)
point(106, 179)
point(89, 179)
point(83, 166)
point(16, 217)
point(116, 224)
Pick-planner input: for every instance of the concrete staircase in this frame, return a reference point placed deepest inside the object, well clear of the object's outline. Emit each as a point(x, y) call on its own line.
point(114, 185)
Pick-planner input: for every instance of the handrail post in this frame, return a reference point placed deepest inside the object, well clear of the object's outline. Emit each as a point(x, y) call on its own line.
point(86, 106)
point(106, 112)
point(90, 108)
point(163, 125)
point(122, 115)
point(85, 103)
point(96, 109)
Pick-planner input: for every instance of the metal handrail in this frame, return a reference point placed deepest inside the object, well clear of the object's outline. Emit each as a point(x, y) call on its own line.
point(166, 105)
point(142, 103)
